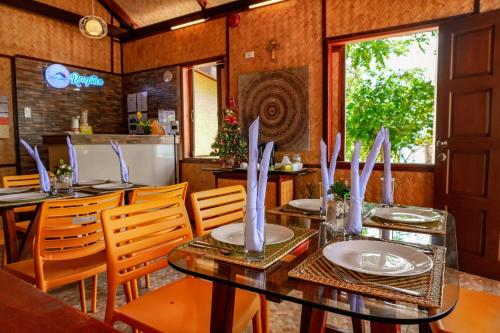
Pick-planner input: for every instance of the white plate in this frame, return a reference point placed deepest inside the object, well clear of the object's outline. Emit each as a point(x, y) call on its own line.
point(27, 196)
point(12, 190)
point(378, 258)
point(407, 215)
point(306, 204)
point(113, 186)
point(233, 234)
point(91, 182)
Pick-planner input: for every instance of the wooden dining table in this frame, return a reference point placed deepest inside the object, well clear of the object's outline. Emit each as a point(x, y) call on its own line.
point(20, 247)
point(317, 300)
point(25, 309)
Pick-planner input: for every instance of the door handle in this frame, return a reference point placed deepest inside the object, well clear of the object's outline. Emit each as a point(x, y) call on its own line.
point(441, 157)
point(441, 143)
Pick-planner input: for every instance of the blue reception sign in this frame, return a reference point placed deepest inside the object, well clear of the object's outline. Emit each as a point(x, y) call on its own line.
point(58, 76)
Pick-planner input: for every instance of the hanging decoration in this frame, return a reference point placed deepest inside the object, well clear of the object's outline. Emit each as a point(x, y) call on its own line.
point(92, 26)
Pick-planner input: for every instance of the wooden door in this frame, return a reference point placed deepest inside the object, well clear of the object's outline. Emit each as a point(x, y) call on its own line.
point(467, 174)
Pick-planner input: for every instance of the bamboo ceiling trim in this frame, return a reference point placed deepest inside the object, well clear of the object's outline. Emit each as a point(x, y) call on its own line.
point(487, 5)
point(351, 16)
point(147, 12)
point(33, 35)
point(193, 43)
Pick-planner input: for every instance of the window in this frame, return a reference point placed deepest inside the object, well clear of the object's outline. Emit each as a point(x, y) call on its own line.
point(388, 82)
point(201, 105)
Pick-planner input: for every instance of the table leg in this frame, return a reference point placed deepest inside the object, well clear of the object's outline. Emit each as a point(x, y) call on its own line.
point(221, 319)
point(312, 320)
point(9, 230)
point(384, 328)
point(26, 248)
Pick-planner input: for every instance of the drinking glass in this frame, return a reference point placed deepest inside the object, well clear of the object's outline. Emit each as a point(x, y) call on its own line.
point(251, 253)
point(382, 192)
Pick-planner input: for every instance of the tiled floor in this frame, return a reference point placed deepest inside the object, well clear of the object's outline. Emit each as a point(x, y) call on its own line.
point(284, 317)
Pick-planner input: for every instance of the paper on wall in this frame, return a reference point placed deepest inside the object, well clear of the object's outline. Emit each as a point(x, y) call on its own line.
point(142, 101)
point(132, 103)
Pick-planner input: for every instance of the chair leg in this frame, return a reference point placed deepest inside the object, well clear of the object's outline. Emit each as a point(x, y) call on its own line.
point(257, 323)
point(147, 280)
point(128, 292)
point(94, 294)
point(4, 256)
point(83, 300)
point(135, 289)
point(264, 314)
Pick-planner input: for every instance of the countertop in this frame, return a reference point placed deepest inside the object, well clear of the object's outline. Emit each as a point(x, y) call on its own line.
point(80, 139)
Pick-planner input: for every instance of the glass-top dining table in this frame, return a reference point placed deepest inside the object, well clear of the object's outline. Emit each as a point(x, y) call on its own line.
point(317, 299)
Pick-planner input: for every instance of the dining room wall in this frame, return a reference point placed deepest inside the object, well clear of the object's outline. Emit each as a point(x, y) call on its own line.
point(297, 26)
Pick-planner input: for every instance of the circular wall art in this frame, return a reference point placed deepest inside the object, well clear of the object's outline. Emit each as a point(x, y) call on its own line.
point(281, 100)
point(167, 76)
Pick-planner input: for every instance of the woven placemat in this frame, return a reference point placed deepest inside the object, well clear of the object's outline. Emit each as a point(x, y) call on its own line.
point(436, 228)
point(318, 269)
point(273, 252)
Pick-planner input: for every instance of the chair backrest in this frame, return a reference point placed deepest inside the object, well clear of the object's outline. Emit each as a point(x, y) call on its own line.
point(146, 194)
point(138, 237)
point(216, 207)
point(71, 228)
point(32, 180)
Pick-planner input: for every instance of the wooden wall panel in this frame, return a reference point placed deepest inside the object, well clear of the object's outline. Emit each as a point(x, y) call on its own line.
point(351, 16)
point(117, 58)
point(198, 180)
point(7, 146)
point(487, 5)
point(296, 25)
point(193, 43)
point(23, 33)
point(7, 172)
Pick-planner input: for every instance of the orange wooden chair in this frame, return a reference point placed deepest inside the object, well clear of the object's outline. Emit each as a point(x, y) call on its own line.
point(146, 194)
point(2, 247)
point(158, 193)
point(475, 312)
point(31, 180)
point(213, 208)
point(145, 233)
point(69, 244)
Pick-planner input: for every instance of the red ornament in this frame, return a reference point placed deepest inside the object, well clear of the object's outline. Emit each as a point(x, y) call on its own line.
point(232, 102)
point(233, 20)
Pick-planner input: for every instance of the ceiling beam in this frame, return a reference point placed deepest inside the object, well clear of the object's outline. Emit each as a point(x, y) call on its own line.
point(56, 13)
point(117, 11)
point(208, 13)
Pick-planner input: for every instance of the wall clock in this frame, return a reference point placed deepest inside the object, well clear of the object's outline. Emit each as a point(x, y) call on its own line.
point(167, 76)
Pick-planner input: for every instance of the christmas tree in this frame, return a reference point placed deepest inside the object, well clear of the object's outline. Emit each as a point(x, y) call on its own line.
point(230, 145)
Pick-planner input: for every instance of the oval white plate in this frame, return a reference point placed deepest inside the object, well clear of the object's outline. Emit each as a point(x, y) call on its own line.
point(306, 204)
point(113, 186)
point(27, 196)
point(12, 190)
point(233, 234)
point(407, 215)
point(91, 182)
point(378, 258)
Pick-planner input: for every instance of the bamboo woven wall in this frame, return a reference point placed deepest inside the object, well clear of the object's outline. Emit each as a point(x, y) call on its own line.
point(193, 43)
point(8, 153)
point(32, 35)
point(82, 7)
point(296, 25)
point(487, 5)
point(351, 16)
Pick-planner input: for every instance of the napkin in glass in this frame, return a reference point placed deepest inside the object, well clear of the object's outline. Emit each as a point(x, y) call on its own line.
point(42, 171)
point(327, 174)
point(388, 195)
point(72, 160)
point(123, 167)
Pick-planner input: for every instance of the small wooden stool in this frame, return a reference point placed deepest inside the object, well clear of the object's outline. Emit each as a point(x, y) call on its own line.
point(475, 312)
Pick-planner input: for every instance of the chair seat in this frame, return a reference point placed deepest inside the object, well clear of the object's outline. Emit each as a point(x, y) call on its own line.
point(22, 226)
point(475, 312)
point(61, 272)
point(185, 307)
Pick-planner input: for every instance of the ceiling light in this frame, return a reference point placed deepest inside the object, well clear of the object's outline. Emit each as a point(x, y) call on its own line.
point(92, 26)
point(264, 3)
point(183, 25)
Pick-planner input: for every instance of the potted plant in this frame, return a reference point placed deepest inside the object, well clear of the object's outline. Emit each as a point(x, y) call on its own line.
point(230, 146)
point(63, 178)
point(145, 124)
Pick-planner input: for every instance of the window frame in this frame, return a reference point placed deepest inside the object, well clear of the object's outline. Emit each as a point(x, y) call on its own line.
point(335, 47)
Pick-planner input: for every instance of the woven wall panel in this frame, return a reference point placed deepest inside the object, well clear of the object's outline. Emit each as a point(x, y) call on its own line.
point(7, 172)
point(198, 180)
point(7, 148)
point(487, 5)
point(193, 43)
point(82, 7)
point(296, 25)
point(117, 61)
point(351, 16)
point(411, 188)
point(35, 36)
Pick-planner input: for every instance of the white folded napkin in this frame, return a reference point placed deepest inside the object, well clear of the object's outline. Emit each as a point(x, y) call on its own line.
point(256, 192)
point(72, 160)
point(42, 171)
point(358, 183)
point(327, 174)
point(388, 195)
point(123, 166)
